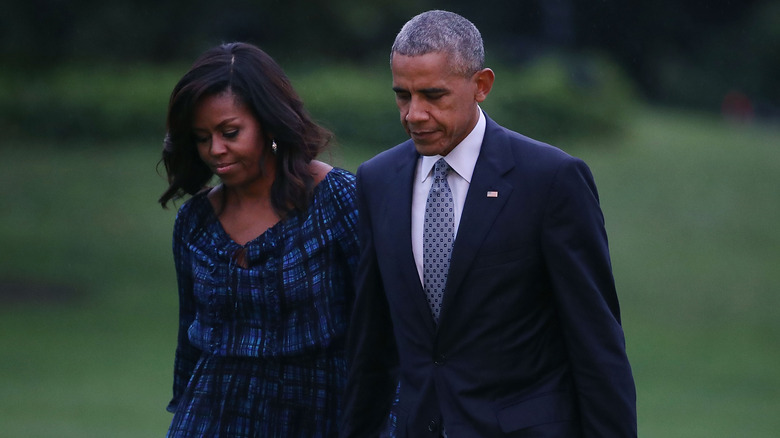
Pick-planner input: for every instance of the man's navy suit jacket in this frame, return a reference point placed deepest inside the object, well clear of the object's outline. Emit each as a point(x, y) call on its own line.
point(529, 341)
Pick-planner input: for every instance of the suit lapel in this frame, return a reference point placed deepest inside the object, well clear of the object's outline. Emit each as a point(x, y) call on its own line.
point(396, 224)
point(486, 197)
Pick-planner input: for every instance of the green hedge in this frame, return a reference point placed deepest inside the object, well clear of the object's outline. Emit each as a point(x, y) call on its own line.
point(560, 97)
point(86, 103)
point(550, 99)
point(356, 103)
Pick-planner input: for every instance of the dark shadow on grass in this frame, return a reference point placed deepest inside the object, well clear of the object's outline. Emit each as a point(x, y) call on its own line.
point(20, 291)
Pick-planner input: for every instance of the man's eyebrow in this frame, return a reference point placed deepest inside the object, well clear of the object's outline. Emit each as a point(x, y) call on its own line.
point(432, 90)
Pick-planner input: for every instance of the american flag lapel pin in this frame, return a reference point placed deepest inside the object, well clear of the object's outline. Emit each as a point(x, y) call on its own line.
point(492, 194)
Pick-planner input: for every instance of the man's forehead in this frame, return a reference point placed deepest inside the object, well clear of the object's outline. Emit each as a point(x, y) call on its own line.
point(442, 55)
point(441, 63)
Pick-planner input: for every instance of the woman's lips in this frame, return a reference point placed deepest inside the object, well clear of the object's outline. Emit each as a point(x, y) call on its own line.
point(223, 168)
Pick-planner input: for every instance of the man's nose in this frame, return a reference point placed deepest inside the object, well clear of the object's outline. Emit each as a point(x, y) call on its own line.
point(417, 112)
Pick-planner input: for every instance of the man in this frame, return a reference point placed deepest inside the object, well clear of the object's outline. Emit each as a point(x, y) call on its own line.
point(503, 319)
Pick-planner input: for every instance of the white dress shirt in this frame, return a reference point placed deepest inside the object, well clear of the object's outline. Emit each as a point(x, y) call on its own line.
point(462, 160)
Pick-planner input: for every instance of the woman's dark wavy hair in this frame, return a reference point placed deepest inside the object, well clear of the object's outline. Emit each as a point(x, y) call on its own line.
point(259, 83)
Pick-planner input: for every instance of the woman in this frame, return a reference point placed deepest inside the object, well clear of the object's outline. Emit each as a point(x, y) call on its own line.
point(264, 259)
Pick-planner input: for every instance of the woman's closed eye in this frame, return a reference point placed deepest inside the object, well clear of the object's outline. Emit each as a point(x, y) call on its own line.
point(201, 138)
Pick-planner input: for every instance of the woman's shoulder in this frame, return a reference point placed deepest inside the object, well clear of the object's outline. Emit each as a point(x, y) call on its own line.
point(319, 171)
point(193, 210)
point(327, 176)
point(336, 191)
point(337, 181)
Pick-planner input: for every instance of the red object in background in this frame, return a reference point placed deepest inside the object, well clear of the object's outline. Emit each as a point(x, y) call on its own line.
point(737, 106)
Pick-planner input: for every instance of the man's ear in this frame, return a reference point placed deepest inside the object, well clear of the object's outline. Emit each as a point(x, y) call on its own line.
point(484, 80)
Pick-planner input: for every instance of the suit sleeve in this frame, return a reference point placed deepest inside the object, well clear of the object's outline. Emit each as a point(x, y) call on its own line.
point(577, 256)
point(371, 349)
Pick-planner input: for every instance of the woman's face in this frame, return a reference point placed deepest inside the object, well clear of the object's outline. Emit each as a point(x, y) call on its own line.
point(229, 139)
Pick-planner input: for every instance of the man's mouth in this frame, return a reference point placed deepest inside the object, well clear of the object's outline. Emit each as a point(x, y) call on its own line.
point(422, 134)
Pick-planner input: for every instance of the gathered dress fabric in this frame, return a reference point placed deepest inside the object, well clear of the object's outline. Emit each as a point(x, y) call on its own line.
point(261, 342)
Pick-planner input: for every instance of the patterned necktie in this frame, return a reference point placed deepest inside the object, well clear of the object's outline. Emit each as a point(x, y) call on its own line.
point(438, 235)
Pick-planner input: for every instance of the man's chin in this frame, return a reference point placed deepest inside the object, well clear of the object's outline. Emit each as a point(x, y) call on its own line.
point(428, 149)
point(425, 149)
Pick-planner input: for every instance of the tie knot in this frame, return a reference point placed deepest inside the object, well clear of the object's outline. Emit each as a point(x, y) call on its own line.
point(440, 169)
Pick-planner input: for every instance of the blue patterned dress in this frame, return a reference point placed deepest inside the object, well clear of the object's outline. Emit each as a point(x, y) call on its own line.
point(260, 349)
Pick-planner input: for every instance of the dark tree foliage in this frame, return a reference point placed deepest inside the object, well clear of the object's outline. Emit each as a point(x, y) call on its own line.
point(642, 33)
point(665, 45)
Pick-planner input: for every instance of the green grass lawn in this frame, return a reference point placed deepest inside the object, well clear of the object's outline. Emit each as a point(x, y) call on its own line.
point(691, 205)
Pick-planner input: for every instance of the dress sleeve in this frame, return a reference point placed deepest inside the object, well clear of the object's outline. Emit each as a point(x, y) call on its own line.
point(186, 353)
point(346, 214)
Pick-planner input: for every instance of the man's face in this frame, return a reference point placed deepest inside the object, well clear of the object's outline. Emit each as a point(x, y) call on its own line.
point(438, 107)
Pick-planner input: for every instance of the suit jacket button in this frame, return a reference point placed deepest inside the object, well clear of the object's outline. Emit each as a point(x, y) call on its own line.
point(439, 360)
point(432, 426)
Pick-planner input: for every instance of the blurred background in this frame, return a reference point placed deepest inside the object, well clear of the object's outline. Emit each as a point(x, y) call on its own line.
point(675, 105)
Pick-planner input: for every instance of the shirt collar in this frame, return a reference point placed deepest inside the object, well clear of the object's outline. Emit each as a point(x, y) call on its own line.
point(463, 157)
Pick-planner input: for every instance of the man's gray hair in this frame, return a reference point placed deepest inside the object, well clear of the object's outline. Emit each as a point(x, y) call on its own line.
point(442, 32)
